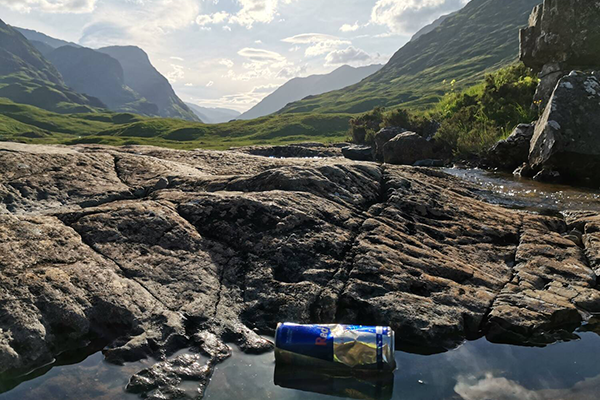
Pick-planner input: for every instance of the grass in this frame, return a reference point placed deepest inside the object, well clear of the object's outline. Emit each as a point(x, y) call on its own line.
point(29, 124)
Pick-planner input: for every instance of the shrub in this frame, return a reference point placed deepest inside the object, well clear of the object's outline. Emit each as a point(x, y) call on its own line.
point(475, 119)
point(363, 128)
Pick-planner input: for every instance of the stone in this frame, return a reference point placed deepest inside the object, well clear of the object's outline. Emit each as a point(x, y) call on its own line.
point(524, 171)
point(567, 136)
point(237, 243)
point(407, 148)
point(384, 136)
point(358, 153)
point(299, 150)
point(510, 153)
point(562, 35)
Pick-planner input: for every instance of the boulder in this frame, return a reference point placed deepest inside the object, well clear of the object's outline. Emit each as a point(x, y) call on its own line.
point(511, 152)
point(567, 136)
point(358, 153)
point(384, 136)
point(562, 35)
point(407, 148)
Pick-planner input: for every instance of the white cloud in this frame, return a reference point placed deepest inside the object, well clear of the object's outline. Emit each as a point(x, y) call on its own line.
point(51, 6)
point(350, 28)
point(350, 55)
point(210, 83)
point(408, 16)
point(260, 55)
point(265, 89)
point(176, 58)
point(319, 43)
point(216, 18)
point(252, 11)
point(177, 73)
point(226, 62)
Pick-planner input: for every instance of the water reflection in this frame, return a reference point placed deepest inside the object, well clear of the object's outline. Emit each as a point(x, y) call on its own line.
point(508, 190)
point(476, 370)
point(357, 385)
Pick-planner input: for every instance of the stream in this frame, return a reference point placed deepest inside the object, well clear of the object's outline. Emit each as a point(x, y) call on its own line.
point(475, 370)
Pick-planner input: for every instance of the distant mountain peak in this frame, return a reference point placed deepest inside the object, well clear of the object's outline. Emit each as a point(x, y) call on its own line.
point(299, 88)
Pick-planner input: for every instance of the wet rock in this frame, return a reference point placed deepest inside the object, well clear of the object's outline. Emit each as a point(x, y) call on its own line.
point(566, 138)
point(562, 36)
point(512, 152)
point(524, 171)
point(162, 380)
point(407, 148)
point(358, 153)
point(384, 136)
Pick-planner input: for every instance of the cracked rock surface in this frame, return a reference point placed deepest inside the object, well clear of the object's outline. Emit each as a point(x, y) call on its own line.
point(157, 250)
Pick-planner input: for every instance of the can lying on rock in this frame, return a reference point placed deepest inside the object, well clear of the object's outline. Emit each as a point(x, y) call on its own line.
point(335, 346)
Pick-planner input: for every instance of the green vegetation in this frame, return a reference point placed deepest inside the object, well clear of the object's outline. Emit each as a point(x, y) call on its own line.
point(479, 39)
point(471, 121)
point(28, 124)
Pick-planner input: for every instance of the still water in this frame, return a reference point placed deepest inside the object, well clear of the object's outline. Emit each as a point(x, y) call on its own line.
point(476, 370)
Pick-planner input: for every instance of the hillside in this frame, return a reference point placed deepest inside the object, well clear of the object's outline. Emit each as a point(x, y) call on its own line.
point(27, 124)
point(480, 38)
point(299, 88)
point(141, 76)
point(216, 115)
point(27, 77)
point(99, 75)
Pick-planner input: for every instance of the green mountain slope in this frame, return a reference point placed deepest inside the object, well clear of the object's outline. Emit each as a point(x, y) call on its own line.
point(99, 75)
point(480, 38)
point(27, 77)
point(27, 124)
point(141, 76)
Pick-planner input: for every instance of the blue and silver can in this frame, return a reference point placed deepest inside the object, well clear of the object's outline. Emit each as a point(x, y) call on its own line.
point(338, 346)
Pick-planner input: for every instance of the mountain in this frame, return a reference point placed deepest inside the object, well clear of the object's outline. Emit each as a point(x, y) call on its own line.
point(480, 38)
point(429, 28)
point(99, 75)
point(299, 88)
point(35, 36)
point(141, 76)
point(42, 47)
point(214, 115)
point(27, 77)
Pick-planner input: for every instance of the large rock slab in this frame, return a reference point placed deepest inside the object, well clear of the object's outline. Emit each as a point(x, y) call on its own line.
point(562, 35)
point(567, 136)
point(204, 248)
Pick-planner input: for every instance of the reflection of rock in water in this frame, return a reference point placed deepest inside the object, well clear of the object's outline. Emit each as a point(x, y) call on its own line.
point(353, 385)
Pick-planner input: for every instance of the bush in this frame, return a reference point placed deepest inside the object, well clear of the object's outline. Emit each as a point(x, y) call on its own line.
point(475, 119)
point(364, 127)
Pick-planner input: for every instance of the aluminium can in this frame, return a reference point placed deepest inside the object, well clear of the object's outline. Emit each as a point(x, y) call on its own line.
point(335, 346)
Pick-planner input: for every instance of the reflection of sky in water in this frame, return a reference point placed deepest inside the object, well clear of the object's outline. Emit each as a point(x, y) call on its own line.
point(505, 189)
point(477, 370)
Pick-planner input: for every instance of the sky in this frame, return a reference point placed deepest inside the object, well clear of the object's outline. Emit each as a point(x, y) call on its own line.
point(233, 53)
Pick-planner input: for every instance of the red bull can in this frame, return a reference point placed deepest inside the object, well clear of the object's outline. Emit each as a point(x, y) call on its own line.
point(335, 346)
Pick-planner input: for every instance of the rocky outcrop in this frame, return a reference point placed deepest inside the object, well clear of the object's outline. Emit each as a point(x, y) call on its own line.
point(562, 35)
point(407, 148)
point(510, 153)
point(567, 136)
point(358, 153)
point(384, 136)
point(153, 250)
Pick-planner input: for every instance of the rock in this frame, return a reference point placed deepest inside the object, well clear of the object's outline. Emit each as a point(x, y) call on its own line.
point(384, 136)
point(512, 152)
point(524, 171)
point(567, 136)
point(547, 175)
point(407, 148)
point(358, 153)
point(300, 150)
point(562, 36)
point(430, 163)
point(237, 243)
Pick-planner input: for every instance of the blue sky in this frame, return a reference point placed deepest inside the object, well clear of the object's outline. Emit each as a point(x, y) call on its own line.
point(232, 53)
